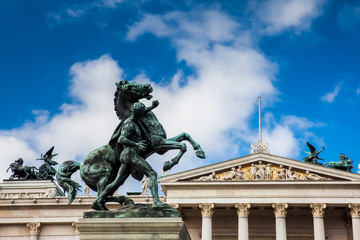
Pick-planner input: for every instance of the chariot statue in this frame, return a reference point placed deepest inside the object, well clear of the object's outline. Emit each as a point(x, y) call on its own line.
point(22, 172)
point(344, 163)
point(138, 135)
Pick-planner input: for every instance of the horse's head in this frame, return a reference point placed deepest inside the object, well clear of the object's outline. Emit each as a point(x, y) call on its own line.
point(128, 93)
point(20, 161)
point(133, 91)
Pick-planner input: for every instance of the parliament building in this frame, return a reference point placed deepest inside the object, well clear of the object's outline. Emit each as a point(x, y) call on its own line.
point(257, 197)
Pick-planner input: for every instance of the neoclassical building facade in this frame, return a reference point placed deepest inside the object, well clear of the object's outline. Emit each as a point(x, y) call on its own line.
point(262, 196)
point(259, 196)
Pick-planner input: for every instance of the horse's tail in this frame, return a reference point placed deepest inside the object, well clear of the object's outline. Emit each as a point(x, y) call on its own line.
point(63, 177)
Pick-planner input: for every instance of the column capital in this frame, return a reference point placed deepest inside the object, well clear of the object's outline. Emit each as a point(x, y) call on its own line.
point(207, 209)
point(34, 227)
point(280, 209)
point(318, 209)
point(354, 209)
point(243, 209)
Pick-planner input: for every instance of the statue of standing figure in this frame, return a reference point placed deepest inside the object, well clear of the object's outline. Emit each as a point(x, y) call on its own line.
point(138, 135)
point(46, 170)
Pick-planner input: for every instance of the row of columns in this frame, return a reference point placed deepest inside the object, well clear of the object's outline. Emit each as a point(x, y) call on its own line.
point(35, 228)
point(280, 210)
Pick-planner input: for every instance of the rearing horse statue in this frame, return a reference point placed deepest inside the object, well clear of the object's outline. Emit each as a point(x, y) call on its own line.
point(138, 135)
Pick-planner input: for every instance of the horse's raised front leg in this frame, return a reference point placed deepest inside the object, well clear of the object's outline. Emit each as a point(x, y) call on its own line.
point(184, 136)
point(168, 145)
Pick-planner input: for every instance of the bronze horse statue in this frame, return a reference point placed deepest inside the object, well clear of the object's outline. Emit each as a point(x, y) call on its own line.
point(22, 172)
point(105, 169)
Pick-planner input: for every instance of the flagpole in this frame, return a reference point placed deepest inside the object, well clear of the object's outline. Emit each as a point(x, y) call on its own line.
point(260, 137)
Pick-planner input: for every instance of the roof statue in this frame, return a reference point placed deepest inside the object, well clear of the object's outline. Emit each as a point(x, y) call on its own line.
point(344, 163)
point(138, 135)
point(313, 155)
point(260, 147)
point(22, 172)
point(46, 170)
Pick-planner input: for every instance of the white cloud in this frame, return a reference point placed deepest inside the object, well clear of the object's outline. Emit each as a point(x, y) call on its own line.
point(203, 25)
point(330, 97)
point(79, 128)
point(229, 77)
point(287, 136)
point(217, 102)
point(279, 15)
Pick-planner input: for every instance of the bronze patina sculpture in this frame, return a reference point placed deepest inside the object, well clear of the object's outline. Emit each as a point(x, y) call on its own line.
point(313, 155)
point(22, 172)
point(46, 170)
point(138, 135)
point(344, 163)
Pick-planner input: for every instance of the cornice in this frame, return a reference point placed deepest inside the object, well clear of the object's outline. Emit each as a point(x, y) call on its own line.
point(262, 185)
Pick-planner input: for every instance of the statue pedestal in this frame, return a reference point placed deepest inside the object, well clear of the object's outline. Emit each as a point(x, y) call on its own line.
point(171, 228)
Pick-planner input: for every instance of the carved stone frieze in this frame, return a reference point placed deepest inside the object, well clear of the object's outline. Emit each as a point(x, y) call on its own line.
point(354, 209)
point(262, 172)
point(207, 209)
point(211, 177)
point(318, 209)
point(34, 228)
point(28, 195)
point(243, 209)
point(280, 209)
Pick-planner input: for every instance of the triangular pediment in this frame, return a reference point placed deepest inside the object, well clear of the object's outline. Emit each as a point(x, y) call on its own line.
point(261, 167)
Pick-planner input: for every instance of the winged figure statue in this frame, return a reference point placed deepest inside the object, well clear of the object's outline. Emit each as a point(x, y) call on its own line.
point(313, 155)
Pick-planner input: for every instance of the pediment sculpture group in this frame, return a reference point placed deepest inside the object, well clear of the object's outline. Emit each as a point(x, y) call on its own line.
point(262, 172)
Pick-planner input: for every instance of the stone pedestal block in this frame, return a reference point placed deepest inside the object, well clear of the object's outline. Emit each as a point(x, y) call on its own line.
point(132, 228)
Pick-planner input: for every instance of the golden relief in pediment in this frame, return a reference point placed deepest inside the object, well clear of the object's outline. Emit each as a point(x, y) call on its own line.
point(261, 172)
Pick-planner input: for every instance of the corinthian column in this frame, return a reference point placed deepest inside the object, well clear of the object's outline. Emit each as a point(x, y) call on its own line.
point(280, 215)
point(34, 230)
point(243, 210)
point(207, 210)
point(318, 212)
point(355, 216)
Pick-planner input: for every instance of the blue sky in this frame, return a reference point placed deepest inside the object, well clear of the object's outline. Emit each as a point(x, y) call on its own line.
point(208, 62)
